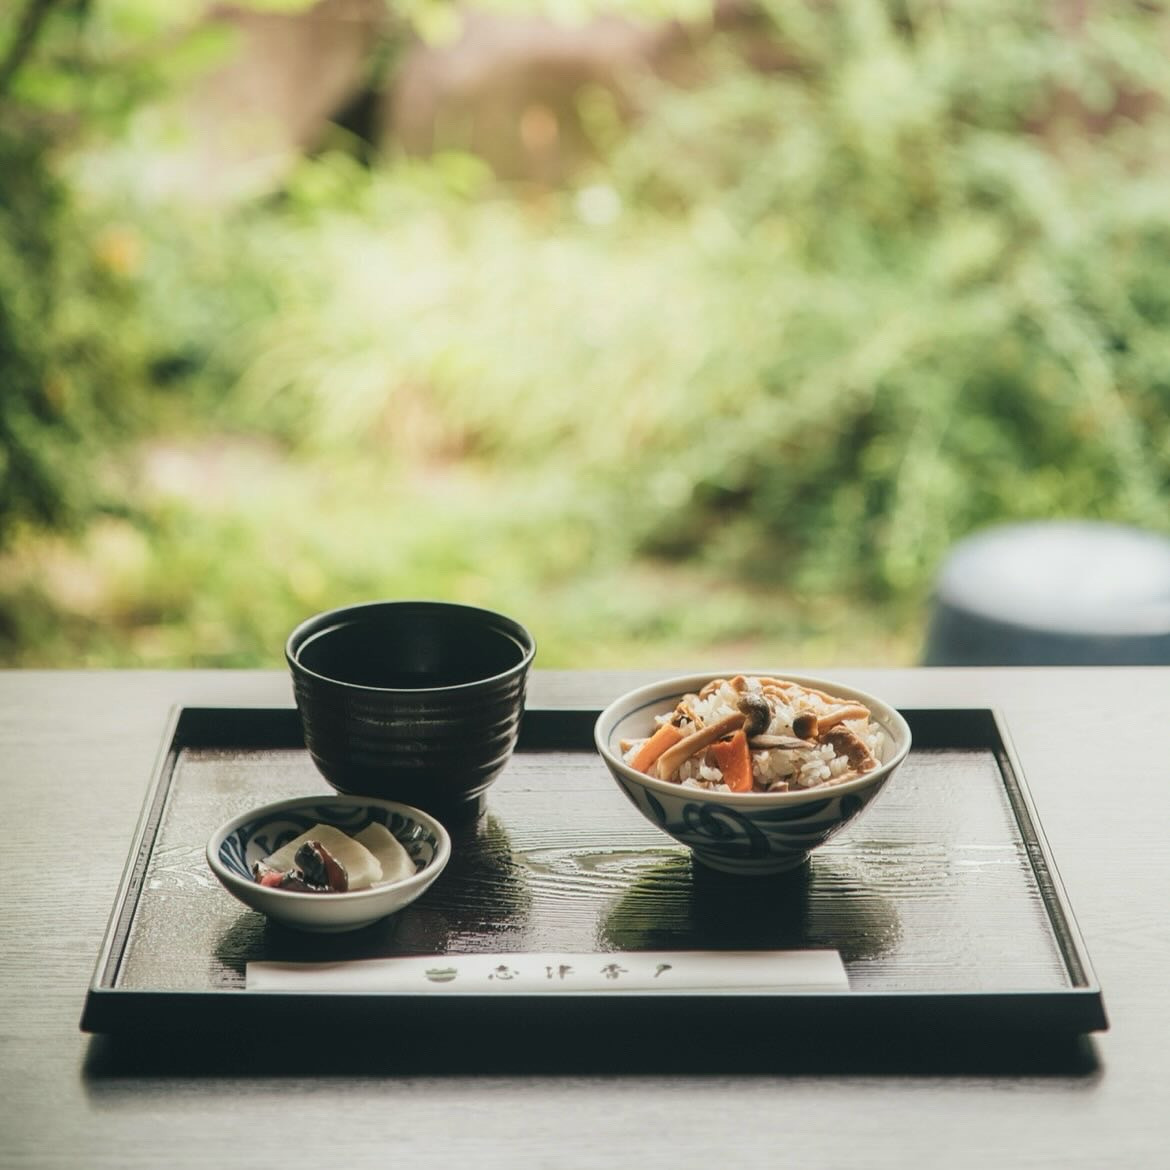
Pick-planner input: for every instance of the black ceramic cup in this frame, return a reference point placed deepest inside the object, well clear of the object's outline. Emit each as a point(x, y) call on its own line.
point(415, 701)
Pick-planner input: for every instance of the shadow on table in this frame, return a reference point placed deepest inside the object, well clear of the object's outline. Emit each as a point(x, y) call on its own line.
point(741, 1051)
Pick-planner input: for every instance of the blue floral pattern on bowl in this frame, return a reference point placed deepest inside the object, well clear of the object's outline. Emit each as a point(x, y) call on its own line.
point(235, 847)
point(261, 837)
point(744, 833)
point(767, 840)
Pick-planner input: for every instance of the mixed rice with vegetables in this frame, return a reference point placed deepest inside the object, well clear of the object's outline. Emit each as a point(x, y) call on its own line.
point(759, 734)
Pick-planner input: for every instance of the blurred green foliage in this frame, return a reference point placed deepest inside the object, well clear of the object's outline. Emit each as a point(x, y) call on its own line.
point(953, 268)
point(54, 370)
point(742, 384)
point(74, 355)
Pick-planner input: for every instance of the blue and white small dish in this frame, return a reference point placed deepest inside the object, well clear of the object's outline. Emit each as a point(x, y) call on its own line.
point(236, 846)
point(743, 832)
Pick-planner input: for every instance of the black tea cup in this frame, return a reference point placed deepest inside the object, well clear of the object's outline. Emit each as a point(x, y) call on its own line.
point(415, 701)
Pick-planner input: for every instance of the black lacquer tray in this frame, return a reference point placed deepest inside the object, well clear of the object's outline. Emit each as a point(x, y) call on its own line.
point(941, 899)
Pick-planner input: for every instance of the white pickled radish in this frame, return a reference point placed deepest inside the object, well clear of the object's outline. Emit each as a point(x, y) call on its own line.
point(361, 866)
point(395, 861)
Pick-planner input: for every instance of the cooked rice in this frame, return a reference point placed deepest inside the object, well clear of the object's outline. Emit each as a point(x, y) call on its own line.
point(773, 769)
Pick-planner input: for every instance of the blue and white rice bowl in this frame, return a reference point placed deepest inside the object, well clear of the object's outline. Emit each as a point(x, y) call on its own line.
point(745, 832)
point(236, 846)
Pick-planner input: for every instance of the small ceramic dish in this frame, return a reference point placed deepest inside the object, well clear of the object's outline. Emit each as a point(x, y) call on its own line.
point(236, 846)
point(743, 832)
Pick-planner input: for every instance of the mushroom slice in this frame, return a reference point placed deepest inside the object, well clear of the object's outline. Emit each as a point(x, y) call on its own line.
point(757, 713)
point(800, 689)
point(806, 725)
point(685, 712)
point(673, 758)
point(786, 743)
point(846, 743)
point(810, 724)
point(841, 715)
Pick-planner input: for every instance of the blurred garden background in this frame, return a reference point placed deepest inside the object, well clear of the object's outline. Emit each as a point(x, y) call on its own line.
point(684, 332)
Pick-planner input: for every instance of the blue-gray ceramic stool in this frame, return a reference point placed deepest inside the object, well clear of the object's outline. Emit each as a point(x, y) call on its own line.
point(1053, 593)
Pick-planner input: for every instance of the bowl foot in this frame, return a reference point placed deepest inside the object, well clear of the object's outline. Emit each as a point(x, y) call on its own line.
point(463, 813)
point(756, 866)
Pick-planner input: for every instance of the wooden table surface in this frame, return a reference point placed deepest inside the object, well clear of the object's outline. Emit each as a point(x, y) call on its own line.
point(76, 753)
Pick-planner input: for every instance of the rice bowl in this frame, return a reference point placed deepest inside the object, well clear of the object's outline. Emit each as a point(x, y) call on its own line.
point(798, 796)
point(801, 736)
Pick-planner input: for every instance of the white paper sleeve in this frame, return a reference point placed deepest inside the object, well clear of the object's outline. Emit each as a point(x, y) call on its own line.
point(642, 971)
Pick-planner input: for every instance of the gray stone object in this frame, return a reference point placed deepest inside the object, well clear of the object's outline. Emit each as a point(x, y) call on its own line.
point(1053, 593)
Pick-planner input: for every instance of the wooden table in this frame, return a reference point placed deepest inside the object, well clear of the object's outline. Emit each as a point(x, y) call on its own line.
point(76, 753)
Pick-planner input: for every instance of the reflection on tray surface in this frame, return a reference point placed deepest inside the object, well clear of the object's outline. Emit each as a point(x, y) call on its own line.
point(675, 902)
point(933, 891)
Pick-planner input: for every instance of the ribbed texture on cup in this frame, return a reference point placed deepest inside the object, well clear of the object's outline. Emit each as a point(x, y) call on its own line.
point(438, 748)
point(433, 750)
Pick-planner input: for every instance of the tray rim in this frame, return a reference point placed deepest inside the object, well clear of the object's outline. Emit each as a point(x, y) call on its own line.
point(1077, 1009)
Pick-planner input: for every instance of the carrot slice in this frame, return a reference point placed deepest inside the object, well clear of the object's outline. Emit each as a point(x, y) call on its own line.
point(665, 737)
point(735, 762)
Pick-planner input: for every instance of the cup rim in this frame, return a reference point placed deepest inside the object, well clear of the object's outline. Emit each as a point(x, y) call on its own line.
point(319, 622)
